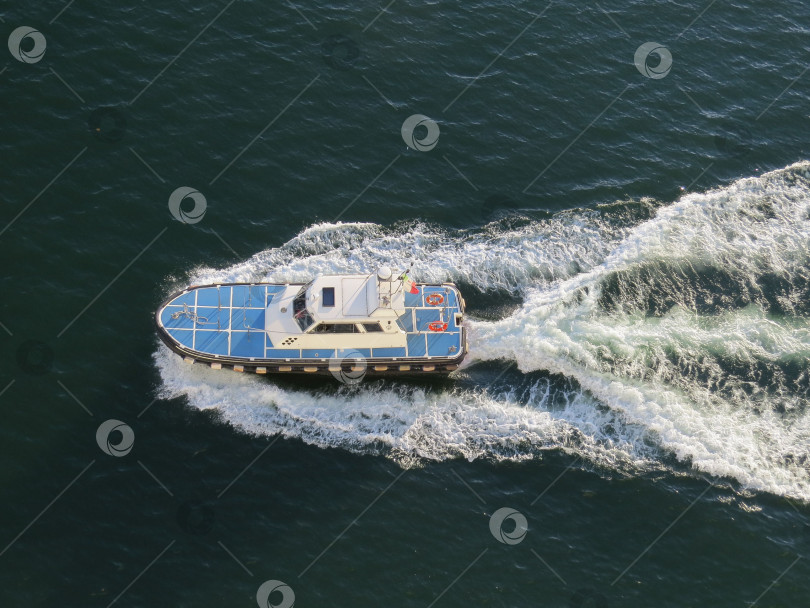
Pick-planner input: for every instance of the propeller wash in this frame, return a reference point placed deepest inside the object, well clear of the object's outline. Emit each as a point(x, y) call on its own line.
point(646, 337)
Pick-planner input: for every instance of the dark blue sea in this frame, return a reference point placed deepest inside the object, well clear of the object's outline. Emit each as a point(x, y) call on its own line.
point(620, 189)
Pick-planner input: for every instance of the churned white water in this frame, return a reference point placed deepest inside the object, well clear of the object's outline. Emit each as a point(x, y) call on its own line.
point(685, 336)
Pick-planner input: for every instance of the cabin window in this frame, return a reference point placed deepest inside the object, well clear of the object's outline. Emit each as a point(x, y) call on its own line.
point(300, 312)
point(370, 327)
point(335, 328)
point(328, 296)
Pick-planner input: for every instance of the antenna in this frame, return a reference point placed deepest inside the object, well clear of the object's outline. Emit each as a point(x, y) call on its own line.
point(406, 271)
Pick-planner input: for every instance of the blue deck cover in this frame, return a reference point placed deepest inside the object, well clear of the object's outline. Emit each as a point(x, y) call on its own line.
point(228, 321)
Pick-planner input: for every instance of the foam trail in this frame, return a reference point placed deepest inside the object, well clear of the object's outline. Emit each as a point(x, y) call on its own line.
point(726, 391)
point(493, 258)
point(411, 425)
point(683, 335)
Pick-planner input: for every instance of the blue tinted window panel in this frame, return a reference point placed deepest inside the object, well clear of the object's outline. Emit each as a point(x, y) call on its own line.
point(389, 352)
point(328, 297)
point(183, 336)
point(257, 293)
point(257, 320)
point(181, 322)
point(208, 317)
point(407, 321)
point(224, 296)
point(450, 299)
point(273, 291)
point(425, 317)
point(416, 345)
point(212, 342)
point(282, 353)
point(247, 344)
point(239, 295)
point(251, 296)
point(439, 344)
point(318, 353)
point(413, 299)
point(247, 318)
point(185, 298)
point(210, 296)
point(353, 352)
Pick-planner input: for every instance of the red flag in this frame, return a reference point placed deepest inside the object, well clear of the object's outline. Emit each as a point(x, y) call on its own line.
point(413, 288)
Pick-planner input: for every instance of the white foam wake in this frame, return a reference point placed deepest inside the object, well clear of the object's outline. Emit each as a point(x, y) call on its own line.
point(677, 374)
point(724, 391)
point(411, 424)
point(492, 258)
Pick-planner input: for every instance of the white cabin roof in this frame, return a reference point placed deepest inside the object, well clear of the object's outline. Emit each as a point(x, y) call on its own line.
point(356, 297)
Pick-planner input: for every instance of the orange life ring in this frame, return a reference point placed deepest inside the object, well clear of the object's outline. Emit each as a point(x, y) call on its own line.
point(437, 326)
point(434, 299)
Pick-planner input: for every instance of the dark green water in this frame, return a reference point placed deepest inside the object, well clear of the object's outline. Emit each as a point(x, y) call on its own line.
point(633, 250)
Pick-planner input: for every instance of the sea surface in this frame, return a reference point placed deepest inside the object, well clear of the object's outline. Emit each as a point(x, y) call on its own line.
point(620, 189)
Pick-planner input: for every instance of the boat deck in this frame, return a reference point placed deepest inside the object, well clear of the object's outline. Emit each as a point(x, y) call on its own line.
point(228, 321)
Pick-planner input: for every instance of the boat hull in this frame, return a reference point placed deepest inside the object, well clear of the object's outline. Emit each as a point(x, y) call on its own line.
point(185, 324)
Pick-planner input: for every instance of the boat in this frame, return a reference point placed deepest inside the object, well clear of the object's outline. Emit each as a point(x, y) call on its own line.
point(345, 325)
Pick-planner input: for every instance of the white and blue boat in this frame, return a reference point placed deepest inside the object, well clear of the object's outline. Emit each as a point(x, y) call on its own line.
point(376, 322)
